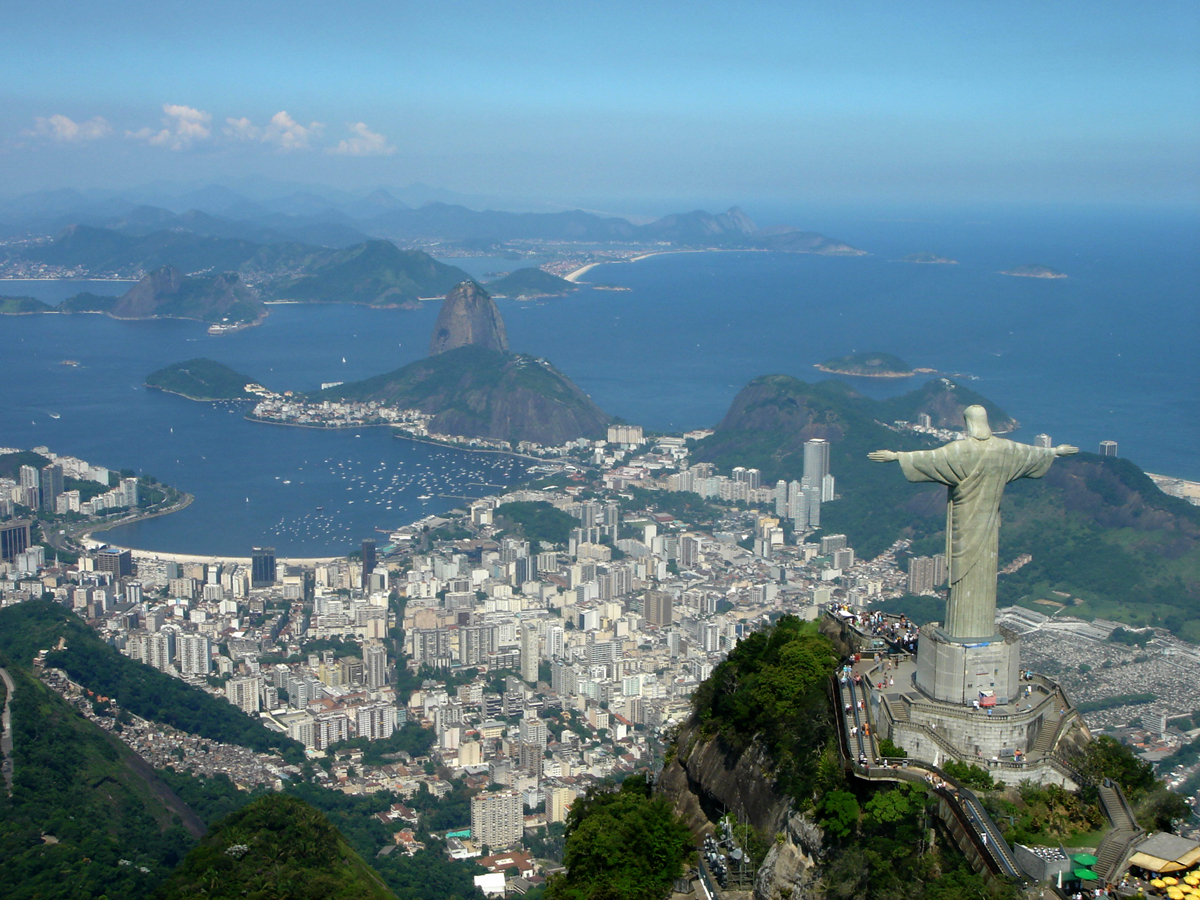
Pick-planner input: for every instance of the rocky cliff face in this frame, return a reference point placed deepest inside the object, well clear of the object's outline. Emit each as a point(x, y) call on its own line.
point(168, 292)
point(703, 781)
point(468, 317)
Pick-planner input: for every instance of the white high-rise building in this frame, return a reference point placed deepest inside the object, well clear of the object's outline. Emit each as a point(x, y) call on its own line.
point(556, 638)
point(194, 652)
point(375, 665)
point(529, 652)
point(816, 460)
point(496, 818)
point(244, 693)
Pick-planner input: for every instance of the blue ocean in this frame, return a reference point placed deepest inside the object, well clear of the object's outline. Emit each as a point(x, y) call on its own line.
point(1108, 353)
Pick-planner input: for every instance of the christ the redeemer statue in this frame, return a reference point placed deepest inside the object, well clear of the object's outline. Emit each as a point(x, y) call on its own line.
point(975, 471)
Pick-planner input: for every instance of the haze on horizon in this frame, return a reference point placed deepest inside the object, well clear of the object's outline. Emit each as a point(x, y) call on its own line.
point(616, 106)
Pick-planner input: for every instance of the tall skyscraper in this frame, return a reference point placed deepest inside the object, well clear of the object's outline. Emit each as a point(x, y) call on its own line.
point(1108, 448)
point(529, 652)
point(816, 460)
point(52, 486)
point(658, 608)
point(375, 664)
point(368, 561)
point(262, 567)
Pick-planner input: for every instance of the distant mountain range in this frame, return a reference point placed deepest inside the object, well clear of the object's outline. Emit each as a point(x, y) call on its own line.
point(218, 229)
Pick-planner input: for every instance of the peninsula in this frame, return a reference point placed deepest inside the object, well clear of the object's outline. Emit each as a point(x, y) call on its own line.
point(1034, 271)
point(201, 379)
point(868, 365)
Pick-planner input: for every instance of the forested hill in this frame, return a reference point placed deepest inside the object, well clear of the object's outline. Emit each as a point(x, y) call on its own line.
point(37, 625)
point(201, 379)
point(277, 846)
point(480, 392)
point(88, 818)
point(1097, 529)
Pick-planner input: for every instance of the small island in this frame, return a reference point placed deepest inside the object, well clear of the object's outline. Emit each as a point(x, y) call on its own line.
point(868, 365)
point(1034, 271)
point(201, 379)
point(22, 306)
point(529, 284)
point(927, 258)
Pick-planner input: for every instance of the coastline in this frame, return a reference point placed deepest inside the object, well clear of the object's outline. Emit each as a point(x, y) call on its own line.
point(821, 368)
point(84, 535)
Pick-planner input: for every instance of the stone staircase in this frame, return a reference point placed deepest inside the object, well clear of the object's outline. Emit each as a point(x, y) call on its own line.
point(1117, 845)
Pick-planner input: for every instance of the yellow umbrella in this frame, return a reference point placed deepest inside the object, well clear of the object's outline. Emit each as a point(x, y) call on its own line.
point(1175, 893)
point(1170, 882)
point(1192, 879)
point(1157, 882)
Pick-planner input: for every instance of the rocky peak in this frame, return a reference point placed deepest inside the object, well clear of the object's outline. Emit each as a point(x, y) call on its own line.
point(468, 317)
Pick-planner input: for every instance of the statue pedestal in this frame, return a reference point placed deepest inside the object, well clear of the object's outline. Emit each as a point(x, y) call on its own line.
point(954, 671)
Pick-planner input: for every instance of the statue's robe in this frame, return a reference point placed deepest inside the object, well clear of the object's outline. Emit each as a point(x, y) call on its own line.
point(975, 473)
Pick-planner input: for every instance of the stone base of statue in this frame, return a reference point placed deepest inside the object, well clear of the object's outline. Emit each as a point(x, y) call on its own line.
point(969, 701)
point(968, 672)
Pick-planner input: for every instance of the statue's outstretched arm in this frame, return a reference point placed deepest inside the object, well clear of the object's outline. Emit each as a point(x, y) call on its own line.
point(883, 456)
point(1065, 450)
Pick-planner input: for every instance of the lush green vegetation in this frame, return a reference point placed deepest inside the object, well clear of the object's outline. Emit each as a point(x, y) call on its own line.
point(11, 306)
point(686, 506)
point(772, 687)
point(87, 819)
point(10, 463)
point(621, 843)
point(412, 739)
point(1040, 814)
point(538, 520)
point(1130, 638)
point(972, 776)
point(884, 844)
point(276, 846)
point(867, 364)
point(87, 302)
point(480, 392)
point(531, 282)
point(36, 625)
point(377, 273)
point(201, 379)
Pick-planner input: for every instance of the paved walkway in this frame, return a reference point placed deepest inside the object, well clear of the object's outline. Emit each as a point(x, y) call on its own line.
point(6, 737)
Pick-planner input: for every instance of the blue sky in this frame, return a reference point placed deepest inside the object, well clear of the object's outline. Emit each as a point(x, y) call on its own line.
point(613, 103)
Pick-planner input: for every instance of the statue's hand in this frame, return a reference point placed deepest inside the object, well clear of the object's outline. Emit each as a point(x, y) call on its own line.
point(883, 456)
point(1065, 450)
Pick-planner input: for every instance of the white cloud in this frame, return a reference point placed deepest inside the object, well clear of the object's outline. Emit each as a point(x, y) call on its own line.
point(60, 128)
point(184, 125)
point(365, 142)
point(283, 131)
point(242, 129)
point(288, 134)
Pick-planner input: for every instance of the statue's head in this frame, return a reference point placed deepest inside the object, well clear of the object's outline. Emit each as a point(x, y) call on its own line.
point(977, 423)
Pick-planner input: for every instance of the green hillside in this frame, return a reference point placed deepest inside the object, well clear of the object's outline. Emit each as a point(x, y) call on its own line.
point(35, 625)
point(479, 392)
point(377, 273)
point(88, 818)
point(531, 282)
point(201, 379)
point(15, 306)
point(275, 847)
